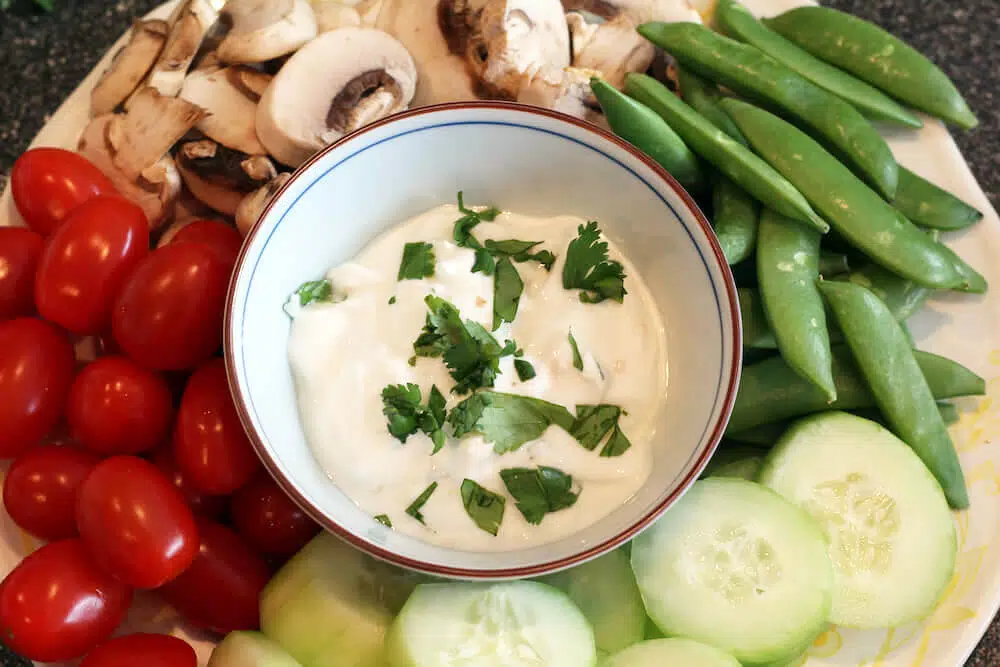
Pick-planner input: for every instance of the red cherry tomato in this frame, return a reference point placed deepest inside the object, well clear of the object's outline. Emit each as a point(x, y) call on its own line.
point(268, 519)
point(221, 589)
point(210, 444)
point(224, 240)
point(86, 261)
point(36, 369)
point(135, 523)
point(49, 183)
point(147, 650)
point(19, 252)
point(41, 487)
point(57, 604)
point(118, 407)
point(168, 315)
point(200, 503)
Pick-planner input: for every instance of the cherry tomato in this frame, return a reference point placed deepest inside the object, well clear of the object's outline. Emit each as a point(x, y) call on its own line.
point(36, 369)
point(87, 259)
point(57, 604)
point(49, 183)
point(268, 519)
point(147, 650)
point(221, 589)
point(19, 252)
point(210, 444)
point(224, 240)
point(41, 487)
point(118, 407)
point(200, 503)
point(168, 316)
point(135, 523)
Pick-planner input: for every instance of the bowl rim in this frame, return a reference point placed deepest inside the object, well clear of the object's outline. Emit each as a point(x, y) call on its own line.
point(329, 523)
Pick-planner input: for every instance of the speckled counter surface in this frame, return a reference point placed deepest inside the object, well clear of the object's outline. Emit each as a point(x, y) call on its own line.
point(42, 58)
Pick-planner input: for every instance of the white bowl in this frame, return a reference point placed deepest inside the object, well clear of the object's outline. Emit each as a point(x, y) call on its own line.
point(526, 160)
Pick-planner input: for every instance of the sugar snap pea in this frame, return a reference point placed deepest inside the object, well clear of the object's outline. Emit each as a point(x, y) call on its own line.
point(833, 264)
point(736, 21)
point(749, 72)
point(703, 97)
point(648, 132)
point(735, 216)
point(903, 297)
point(770, 391)
point(926, 204)
point(854, 210)
point(886, 361)
point(972, 281)
point(725, 153)
point(872, 54)
point(949, 412)
point(756, 331)
point(787, 271)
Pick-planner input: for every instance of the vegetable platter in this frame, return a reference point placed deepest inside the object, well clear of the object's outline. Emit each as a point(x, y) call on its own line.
point(964, 327)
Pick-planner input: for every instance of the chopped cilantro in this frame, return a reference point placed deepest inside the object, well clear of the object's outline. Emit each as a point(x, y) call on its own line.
point(483, 506)
point(617, 444)
point(525, 371)
point(415, 507)
point(577, 359)
point(507, 420)
point(418, 261)
point(507, 289)
point(588, 268)
point(384, 520)
point(520, 251)
point(401, 405)
point(392, 300)
point(540, 491)
point(592, 424)
point(315, 290)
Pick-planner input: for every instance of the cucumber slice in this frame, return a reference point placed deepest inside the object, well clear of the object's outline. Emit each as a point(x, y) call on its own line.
point(891, 534)
point(671, 653)
point(331, 605)
point(250, 649)
point(508, 624)
point(734, 565)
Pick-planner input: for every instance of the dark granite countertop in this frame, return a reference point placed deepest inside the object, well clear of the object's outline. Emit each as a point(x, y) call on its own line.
point(43, 57)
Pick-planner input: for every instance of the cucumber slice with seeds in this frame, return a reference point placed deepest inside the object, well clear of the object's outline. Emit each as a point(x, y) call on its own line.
point(734, 565)
point(671, 653)
point(891, 534)
point(250, 649)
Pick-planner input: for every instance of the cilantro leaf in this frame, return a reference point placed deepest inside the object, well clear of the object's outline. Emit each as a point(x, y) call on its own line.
point(577, 359)
point(540, 491)
point(594, 422)
point(588, 268)
point(418, 261)
point(525, 371)
point(507, 420)
point(434, 418)
point(314, 290)
point(520, 251)
point(462, 232)
point(488, 215)
point(617, 444)
point(401, 405)
point(507, 290)
point(483, 506)
point(484, 263)
point(421, 500)
point(384, 520)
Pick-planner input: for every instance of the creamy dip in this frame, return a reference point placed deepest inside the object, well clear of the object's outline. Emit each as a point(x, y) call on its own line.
point(343, 353)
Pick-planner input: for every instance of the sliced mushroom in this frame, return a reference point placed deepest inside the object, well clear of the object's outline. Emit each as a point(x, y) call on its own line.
point(265, 29)
point(334, 14)
point(192, 22)
point(612, 47)
point(337, 83)
point(129, 66)
point(155, 189)
point(220, 177)
point(566, 90)
point(253, 205)
point(641, 11)
point(231, 116)
point(252, 82)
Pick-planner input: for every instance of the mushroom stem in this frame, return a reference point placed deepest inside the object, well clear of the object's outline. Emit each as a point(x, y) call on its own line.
point(252, 206)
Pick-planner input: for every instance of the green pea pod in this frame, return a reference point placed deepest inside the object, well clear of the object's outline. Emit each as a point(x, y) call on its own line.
point(649, 133)
point(729, 156)
point(885, 359)
point(854, 209)
point(903, 297)
point(703, 97)
point(770, 391)
point(787, 270)
point(926, 204)
point(972, 281)
point(764, 435)
point(751, 73)
point(949, 412)
point(735, 215)
point(833, 264)
point(756, 331)
point(873, 55)
point(736, 21)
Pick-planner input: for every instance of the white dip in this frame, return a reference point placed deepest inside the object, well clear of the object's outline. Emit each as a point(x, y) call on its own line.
point(343, 353)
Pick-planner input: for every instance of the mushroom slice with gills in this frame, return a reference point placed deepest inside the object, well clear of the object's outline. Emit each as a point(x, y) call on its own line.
point(251, 81)
point(253, 205)
point(231, 117)
point(192, 22)
point(220, 177)
point(641, 11)
point(129, 66)
point(156, 189)
point(340, 81)
point(566, 90)
point(614, 48)
point(265, 29)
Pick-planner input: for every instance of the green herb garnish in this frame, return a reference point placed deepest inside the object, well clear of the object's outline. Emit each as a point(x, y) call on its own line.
point(507, 289)
point(525, 371)
point(315, 290)
point(401, 405)
point(384, 520)
point(392, 300)
point(540, 491)
point(588, 268)
point(415, 507)
point(418, 261)
point(507, 420)
point(577, 359)
point(592, 424)
point(483, 506)
point(520, 251)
